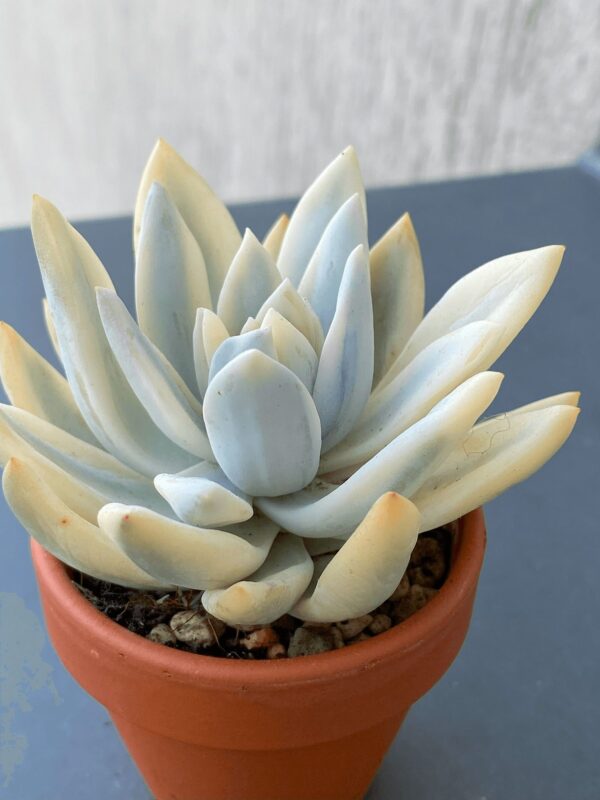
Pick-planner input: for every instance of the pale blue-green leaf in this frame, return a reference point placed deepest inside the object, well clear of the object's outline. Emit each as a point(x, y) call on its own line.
point(293, 349)
point(158, 386)
point(270, 592)
point(438, 369)
point(263, 426)
point(89, 464)
point(398, 291)
point(494, 456)
point(261, 339)
point(185, 555)
point(345, 372)
point(506, 291)
point(205, 215)
point(251, 278)
point(324, 509)
point(71, 271)
point(286, 300)
point(170, 282)
point(321, 282)
point(203, 495)
point(338, 181)
point(33, 384)
point(68, 536)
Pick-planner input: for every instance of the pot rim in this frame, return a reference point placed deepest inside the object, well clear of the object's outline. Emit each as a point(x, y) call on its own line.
point(147, 656)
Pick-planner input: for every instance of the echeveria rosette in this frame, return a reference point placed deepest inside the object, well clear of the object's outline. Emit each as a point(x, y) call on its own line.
point(280, 422)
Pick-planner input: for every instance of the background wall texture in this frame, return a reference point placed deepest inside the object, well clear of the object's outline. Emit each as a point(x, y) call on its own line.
point(259, 95)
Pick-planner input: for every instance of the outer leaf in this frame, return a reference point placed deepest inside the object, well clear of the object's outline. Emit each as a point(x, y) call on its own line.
point(198, 558)
point(495, 455)
point(398, 291)
point(263, 426)
point(158, 386)
point(92, 466)
point(70, 271)
point(293, 349)
point(33, 384)
point(63, 533)
point(338, 182)
point(170, 282)
point(437, 370)
point(286, 300)
point(367, 569)
point(252, 278)
point(321, 281)
point(262, 340)
point(507, 291)
point(204, 496)
point(323, 510)
point(205, 215)
point(270, 592)
point(50, 328)
point(83, 499)
point(345, 372)
point(274, 237)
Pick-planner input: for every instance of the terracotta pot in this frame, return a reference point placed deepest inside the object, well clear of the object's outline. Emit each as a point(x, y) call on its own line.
point(312, 728)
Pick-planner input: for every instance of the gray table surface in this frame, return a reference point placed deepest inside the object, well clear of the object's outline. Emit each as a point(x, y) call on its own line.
point(517, 716)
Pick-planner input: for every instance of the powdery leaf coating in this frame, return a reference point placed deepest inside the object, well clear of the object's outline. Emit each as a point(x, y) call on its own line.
point(279, 423)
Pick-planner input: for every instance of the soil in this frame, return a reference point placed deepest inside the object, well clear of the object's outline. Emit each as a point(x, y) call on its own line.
point(177, 619)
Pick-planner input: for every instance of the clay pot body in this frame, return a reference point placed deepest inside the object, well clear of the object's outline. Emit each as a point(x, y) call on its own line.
point(311, 728)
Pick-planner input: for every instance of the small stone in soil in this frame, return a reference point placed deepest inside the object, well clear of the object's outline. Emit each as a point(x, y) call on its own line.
point(381, 623)
point(262, 637)
point(350, 628)
point(162, 634)
point(428, 563)
point(413, 602)
point(193, 627)
point(309, 642)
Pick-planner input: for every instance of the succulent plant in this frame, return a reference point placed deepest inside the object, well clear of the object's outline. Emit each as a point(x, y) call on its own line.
point(281, 422)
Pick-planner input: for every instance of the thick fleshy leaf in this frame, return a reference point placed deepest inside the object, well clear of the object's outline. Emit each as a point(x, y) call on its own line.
point(82, 498)
point(250, 325)
point(321, 281)
point(170, 282)
point(251, 279)
point(336, 184)
point(204, 496)
point(261, 339)
point(71, 271)
point(398, 291)
point(270, 592)
point(33, 384)
point(437, 370)
point(50, 328)
point(205, 215)
point(209, 334)
point(274, 236)
point(507, 291)
point(263, 426)
point(367, 569)
point(323, 509)
point(292, 348)
point(495, 455)
point(21, 434)
point(61, 531)
point(158, 386)
point(197, 558)
point(286, 300)
point(345, 372)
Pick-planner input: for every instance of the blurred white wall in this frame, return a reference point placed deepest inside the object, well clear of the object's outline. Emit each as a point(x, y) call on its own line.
point(260, 94)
